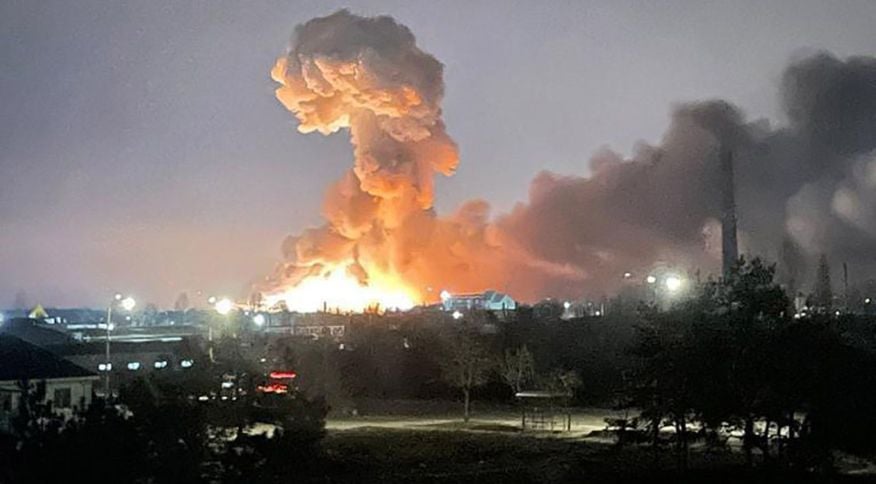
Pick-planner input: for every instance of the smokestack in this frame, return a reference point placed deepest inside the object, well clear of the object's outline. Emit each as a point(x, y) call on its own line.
point(729, 248)
point(845, 286)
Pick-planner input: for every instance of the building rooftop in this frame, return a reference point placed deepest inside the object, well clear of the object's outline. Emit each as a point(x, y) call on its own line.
point(34, 332)
point(24, 361)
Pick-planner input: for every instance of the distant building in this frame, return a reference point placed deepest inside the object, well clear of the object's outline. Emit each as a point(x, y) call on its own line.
point(67, 386)
point(34, 332)
point(129, 360)
point(321, 325)
point(488, 300)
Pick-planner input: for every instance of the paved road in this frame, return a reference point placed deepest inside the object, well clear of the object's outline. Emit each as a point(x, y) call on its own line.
point(583, 421)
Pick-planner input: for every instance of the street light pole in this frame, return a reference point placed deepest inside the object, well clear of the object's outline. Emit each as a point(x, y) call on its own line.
point(106, 368)
point(210, 341)
point(127, 304)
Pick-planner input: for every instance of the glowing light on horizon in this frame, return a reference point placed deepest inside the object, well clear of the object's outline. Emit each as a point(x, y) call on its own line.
point(224, 306)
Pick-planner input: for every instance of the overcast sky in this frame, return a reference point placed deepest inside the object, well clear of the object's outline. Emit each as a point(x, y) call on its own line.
point(142, 150)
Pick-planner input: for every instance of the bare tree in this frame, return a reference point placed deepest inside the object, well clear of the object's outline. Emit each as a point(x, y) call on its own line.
point(518, 368)
point(467, 364)
point(562, 381)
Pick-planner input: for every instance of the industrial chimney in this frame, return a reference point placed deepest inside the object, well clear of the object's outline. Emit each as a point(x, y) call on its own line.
point(729, 248)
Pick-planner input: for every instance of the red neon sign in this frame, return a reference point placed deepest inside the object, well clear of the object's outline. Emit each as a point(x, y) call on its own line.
point(283, 375)
point(273, 388)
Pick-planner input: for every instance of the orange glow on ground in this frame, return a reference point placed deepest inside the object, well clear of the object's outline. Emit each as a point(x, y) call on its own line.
point(336, 290)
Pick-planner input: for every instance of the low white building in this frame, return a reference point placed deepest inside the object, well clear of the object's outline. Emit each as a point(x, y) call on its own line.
point(67, 386)
point(487, 300)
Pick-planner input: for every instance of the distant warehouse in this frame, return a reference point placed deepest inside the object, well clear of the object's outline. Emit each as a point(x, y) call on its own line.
point(488, 300)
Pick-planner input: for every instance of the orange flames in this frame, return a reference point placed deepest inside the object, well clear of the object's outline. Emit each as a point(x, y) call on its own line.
point(335, 289)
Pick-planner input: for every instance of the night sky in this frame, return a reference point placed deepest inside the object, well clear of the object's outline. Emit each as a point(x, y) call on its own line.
point(142, 149)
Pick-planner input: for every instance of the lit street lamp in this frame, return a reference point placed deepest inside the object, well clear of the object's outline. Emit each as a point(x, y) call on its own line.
point(673, 283)
point(223, 306)
point(127, 304)
point(259, 319)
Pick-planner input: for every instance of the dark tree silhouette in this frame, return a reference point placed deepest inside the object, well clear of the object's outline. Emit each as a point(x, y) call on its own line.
point(467, 364)
point(182, 302)
point(822, 296)
point(518, 368)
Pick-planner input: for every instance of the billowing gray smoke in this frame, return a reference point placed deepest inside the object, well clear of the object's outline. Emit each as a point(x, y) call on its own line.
point(803, 189)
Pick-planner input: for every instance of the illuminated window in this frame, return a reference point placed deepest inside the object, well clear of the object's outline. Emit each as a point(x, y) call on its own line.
point(160, 364)
point(134, 365)
point(186, 363)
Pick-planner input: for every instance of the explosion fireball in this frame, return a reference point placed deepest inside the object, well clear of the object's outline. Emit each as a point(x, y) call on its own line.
point(366, 75)
point(383, 245)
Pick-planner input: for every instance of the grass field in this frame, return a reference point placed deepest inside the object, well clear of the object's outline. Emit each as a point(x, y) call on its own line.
point(401, 443)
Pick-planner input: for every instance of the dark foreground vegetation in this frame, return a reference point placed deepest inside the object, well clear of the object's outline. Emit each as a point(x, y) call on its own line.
point(456, 456)
point(727, 384)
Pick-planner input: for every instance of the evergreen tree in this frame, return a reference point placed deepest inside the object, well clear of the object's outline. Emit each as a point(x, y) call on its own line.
point(822, 297)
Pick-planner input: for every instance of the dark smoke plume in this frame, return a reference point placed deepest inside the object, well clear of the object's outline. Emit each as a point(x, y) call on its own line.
point(803, 189)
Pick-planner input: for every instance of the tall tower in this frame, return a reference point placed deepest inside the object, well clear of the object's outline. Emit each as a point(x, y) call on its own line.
point(729, 248)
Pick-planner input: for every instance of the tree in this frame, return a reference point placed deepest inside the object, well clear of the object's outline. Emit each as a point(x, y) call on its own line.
point(662, 386)
point(467, 364)
point(182, 302)
point(822, 296)
point(563, 381)
point(150, 315)
point(292, 449)
point(518, 368)
point(21, 301)
point(317, 363)
point(717, 358)
point(173, 427)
